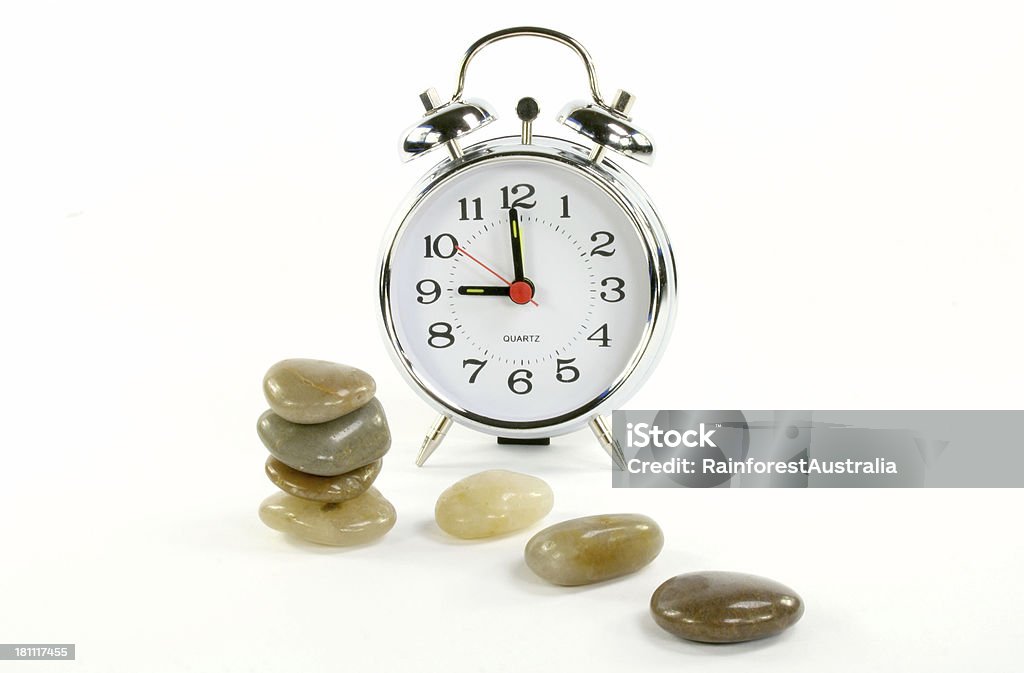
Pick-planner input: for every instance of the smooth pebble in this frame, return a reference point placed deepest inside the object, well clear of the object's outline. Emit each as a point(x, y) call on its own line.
point(342, 524)
point(316, 391)
point(594, 548)
point(725, 607)
point(323, 489)
point(328, 449)
point(491, 503)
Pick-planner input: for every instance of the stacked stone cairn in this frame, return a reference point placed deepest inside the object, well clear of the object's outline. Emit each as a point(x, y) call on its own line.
point(327, 435)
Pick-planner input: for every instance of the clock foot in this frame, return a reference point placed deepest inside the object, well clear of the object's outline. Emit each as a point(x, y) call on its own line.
point(607, 441)
point(434, 438)
point(536, 441)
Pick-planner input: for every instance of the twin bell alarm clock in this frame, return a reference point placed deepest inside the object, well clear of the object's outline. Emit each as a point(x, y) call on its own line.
point(527, 285)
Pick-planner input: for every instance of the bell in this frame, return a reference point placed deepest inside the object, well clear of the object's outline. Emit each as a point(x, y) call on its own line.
point(444, 125)
point(609, 128)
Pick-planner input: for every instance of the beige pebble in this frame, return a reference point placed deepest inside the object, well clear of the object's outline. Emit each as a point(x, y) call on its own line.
point(316, 391)
point(491, 503)
point(357, 521)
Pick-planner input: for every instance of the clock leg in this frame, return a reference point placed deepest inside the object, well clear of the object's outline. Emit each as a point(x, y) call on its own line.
point(607, 441)
point(434, 438)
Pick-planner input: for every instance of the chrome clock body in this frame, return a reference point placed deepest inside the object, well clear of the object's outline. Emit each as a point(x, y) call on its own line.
point(569, 381)
point(633, 201)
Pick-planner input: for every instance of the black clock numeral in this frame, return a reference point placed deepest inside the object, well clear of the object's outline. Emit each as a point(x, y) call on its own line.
point(520, 202)
point(604, 339)
point(428, 288)
point(519, 381)
point(599, 249)
point(565, 206)
point(464, 208)
point(566, 373)
point(479, 364)
point(441, 335)
point(444, 246)
point(619, 284)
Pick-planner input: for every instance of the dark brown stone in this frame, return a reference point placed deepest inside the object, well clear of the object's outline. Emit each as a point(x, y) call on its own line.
point(725, 607)
point(322, 489)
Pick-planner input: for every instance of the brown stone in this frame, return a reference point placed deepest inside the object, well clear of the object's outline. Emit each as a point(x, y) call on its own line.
point(724, 607)
point(322, 489)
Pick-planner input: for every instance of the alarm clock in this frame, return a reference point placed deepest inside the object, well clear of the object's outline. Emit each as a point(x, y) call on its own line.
point(527, 285)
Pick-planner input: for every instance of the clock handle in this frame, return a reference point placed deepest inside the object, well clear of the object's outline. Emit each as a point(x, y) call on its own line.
point(607, 124)
point(530, 31)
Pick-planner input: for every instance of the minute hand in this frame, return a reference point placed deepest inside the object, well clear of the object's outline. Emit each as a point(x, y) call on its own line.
point(517, 244)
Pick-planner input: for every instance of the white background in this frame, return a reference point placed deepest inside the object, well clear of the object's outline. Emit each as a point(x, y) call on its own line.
point(192, 191)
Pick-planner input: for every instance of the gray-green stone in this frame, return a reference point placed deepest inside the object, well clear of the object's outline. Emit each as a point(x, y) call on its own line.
point(316, 391)
point(328, 449)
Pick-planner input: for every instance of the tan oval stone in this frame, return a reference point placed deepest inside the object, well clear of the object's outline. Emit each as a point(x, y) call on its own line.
point(725, 607)
point(323, 489)
point(316, 391)
point(594, 548)
point(491, 503)
point(357, 521)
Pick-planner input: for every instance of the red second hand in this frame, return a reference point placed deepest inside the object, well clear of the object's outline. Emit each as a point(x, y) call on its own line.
point(493, 272)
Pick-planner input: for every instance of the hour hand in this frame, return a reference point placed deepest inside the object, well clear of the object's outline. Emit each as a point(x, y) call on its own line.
point(485, 290)
point(517, 243)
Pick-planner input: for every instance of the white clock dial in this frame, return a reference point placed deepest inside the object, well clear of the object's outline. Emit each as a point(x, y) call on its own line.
point(519, 350)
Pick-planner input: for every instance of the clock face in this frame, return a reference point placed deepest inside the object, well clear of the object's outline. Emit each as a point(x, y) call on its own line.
point(520, 292)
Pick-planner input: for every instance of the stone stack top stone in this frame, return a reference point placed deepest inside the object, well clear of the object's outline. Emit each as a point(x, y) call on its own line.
point(308, 391)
